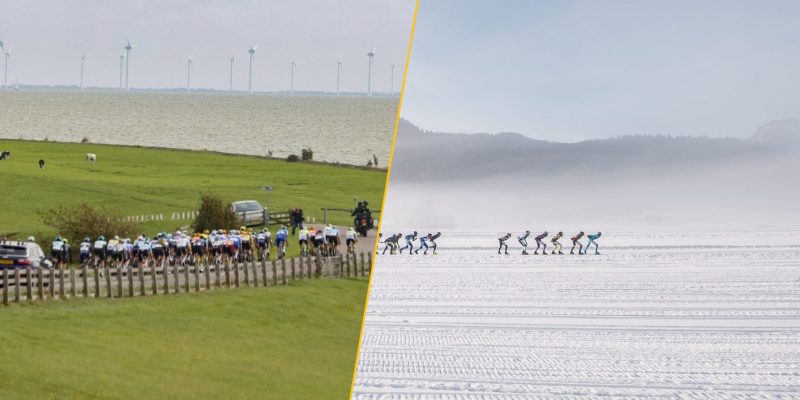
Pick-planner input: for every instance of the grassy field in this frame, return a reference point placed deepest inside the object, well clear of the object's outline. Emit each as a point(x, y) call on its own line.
point(149, 181)
point(292, 342)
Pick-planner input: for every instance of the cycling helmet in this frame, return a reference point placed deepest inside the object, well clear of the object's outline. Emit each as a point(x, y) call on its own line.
point(87, 239)
point(31, 239)
point(66, 241)
point(242, 229)
point(58, 239)
point(101, 237)
point(116, 237)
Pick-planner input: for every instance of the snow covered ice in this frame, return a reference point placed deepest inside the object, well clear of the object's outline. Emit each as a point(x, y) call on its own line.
point(697, 315)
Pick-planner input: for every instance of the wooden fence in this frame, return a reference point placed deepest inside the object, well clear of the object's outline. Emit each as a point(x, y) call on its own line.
point(40, 284)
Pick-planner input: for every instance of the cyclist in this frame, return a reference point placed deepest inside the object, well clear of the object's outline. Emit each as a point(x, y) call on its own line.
point(264, 240)
point(58, 251)
point(100, 250)
point(247, 243)
point(281, 241)
point(67, 251)
point(319, 241)
point(158, 250)
point(351, 237)
point(182, 248)
point(329, 239)
point(302, 240)
point(85, 251)
point(335, 234)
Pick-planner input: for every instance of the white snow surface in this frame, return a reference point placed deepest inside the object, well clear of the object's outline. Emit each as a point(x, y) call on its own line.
point(677, 315)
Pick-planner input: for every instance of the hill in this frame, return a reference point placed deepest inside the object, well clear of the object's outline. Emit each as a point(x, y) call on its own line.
point(148, 181)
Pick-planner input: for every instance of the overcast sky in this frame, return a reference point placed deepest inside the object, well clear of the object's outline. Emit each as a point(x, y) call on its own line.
point(572, 70)
point(47, 38)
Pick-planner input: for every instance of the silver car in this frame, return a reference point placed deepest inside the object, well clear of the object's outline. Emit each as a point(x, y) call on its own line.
point(249, 212)
point(22, 255)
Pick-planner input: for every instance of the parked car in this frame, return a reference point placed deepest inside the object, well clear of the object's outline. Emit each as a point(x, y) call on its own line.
point(22, 255)
point(250, 212)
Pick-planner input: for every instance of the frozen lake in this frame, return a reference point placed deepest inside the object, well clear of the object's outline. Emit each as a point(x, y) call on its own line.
point(696, 315)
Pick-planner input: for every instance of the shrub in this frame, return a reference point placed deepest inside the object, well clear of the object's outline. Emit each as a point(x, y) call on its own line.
point(293, 158)
point(307, 154)
point(78, 221)
point(214, 213)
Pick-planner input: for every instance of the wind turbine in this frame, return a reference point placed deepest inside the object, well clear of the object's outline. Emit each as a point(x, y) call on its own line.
point(391, 88)
point(371, 55)
point(291, 86)
point(252, 52)
point(121, 69)
point(83, 59)
point(233, 60)
point(7, 53)
point(189, 73)
point(3, 51)
point(338, 73)
point(128, 48)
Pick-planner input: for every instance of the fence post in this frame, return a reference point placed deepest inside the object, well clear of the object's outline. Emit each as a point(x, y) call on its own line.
point(294, 276)
point(29, 280)
point(283, 270)
point(227, 274)
point(97, 282)
point(107, 271)
point(186, 275)
point(85, 279)
point(5, 286)
point(196, 277)
point(153, 278)
point(119, 281)
point(369, 264)
point(140, 272)
point(165, 273)
point(309, 265)
point(274, 273)
point(218, 273)
point(39, 284)
point(246, 274)
point(264, 271)
point(347, 261)
point(61, 284)
point(72, 290)
point(130, 282)
point(319, 265)
point(207, 274)
point(16, 285)
point(255, 271)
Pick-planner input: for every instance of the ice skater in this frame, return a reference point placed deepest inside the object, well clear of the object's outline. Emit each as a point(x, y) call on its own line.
point(423, 242)
point(556, 244)
point(523, 240)
point(540, 243)
point(409, 243)
point(503, 243)
point(433, 241)
point(592, 240)
point(576, 241)
point(387, 244)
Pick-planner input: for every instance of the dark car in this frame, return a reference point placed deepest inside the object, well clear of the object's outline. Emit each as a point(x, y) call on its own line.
point(22, 255)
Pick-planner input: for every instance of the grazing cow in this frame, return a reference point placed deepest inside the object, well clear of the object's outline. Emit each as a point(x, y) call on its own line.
point(5, 155)
point(91, 157)
point(41, 164)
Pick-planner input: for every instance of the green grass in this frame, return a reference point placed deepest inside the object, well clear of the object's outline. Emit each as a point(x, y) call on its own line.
point(293, 342)
point(150, 181)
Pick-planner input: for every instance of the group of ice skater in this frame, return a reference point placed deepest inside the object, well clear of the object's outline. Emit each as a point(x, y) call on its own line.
point(555, 241)
point(426, 242)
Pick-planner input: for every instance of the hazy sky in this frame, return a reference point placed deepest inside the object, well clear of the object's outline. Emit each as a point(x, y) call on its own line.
point(571, 70)
point(47, 38)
